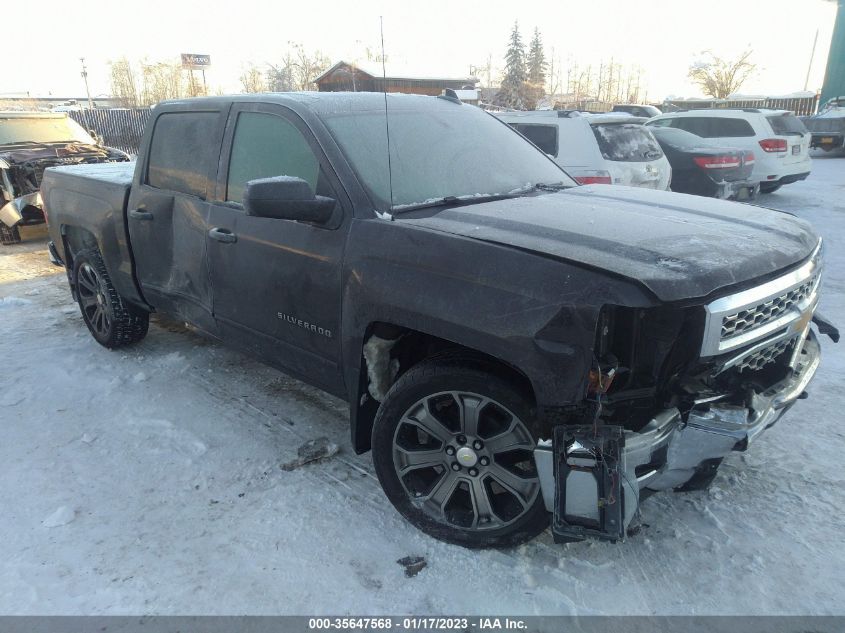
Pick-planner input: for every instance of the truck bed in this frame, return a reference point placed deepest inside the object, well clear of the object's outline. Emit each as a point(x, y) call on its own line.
point(93, 198)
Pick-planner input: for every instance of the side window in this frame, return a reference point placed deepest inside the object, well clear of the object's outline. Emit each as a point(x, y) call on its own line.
point(264, 146)
point(724, 127)
point(179, 157)
point(543, 136)
point(694, 125)
point(663, 123)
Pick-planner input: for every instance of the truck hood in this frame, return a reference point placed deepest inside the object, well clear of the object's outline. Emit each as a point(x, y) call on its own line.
point(678, 246)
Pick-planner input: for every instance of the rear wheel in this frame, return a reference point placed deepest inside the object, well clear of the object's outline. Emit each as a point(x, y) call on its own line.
point(769, 188)
point(453, 450)
point(111, 320)
point(9, 234)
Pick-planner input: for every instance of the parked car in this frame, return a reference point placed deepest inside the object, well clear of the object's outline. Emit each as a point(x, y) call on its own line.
point(780, 142)
point(637, 109)
point(515, 350)
point(29, 143)
point(828, 126)
point(705, 168)
point(596, 149)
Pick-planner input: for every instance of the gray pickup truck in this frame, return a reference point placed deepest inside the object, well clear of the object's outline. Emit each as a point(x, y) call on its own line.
point(516, 350)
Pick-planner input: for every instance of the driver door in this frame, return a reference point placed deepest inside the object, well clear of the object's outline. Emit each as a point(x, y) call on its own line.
point(276, 282)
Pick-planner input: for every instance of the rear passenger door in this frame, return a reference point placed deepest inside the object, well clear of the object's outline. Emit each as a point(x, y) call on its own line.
point(168, 212)
point(276, 282)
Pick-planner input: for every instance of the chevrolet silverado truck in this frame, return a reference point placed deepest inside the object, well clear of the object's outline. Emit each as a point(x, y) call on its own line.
point(516, 350)
point(29, 143)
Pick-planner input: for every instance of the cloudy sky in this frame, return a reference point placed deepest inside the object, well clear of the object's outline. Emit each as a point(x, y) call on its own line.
point(436, 37)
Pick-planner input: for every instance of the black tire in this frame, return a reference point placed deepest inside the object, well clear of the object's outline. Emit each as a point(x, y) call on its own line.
point(768, 188)
point(9, 235)
point(111, 320)
point(465, 378)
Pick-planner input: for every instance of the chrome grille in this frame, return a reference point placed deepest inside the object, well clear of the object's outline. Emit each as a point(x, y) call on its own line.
point(765, 356)
point(761, 316)
point(765, 312)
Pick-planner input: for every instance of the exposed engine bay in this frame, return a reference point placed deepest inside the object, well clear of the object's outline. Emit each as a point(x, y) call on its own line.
point(672, 392)
point(21, 170)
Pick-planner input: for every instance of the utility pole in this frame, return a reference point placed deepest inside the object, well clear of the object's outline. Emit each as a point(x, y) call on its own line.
point(812, 55)
point(85, 78)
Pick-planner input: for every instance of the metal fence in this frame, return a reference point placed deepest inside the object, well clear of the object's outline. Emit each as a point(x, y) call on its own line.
point(797, 105)
point(120, 128)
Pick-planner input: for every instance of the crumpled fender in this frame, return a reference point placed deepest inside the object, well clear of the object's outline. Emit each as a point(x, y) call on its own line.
point(10, 213)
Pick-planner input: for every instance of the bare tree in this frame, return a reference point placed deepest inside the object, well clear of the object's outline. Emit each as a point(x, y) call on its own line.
point(297, 69)
point(164, 80)
point(124, 83)
point(252, 80)
point(719, 78)
point(309, 66)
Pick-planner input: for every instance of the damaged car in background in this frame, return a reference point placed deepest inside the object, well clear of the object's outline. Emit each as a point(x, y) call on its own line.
point(29, 143)
point(516, 350)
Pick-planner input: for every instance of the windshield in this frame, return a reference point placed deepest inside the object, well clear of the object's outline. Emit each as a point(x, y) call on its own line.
point(41, 130)
point(438, 150)
point(628, 142)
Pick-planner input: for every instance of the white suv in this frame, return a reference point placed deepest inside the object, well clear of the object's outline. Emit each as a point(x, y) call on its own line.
point(596, 149)
point(779, 140)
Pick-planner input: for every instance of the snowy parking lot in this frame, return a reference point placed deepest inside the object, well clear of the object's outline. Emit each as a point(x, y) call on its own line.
point(148, 480)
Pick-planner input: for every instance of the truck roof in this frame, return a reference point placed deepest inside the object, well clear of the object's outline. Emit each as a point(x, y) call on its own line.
point(323, 103)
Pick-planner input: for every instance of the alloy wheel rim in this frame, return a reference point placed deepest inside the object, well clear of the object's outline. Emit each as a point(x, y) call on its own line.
point(466, 461)
point(93, 300)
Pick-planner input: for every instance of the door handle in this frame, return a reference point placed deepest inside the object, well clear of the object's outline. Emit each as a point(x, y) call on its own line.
point(140, 214)
point(222, 235)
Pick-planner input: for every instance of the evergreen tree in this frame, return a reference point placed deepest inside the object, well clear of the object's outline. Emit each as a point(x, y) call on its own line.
point(512, 90)
point(537, 64)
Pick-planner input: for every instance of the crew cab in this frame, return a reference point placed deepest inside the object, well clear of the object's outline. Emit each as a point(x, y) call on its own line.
point(516, 350)
point(29, 143)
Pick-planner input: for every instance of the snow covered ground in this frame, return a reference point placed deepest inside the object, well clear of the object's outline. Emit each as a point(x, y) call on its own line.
point(149, 481)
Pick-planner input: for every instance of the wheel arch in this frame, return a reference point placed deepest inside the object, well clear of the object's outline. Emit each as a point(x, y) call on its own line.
point(408, 347)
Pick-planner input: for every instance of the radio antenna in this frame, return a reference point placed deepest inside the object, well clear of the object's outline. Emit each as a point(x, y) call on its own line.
point(386, 118)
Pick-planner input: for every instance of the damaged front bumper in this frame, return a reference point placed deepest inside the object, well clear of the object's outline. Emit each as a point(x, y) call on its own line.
point(592, 478)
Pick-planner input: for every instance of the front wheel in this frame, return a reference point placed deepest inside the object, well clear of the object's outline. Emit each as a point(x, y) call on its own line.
point(454, 452)
point(111, 320)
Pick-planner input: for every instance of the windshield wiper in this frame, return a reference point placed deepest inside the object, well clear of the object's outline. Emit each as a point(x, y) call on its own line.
point(557, 186)
point(462, 201)
point(452, 201)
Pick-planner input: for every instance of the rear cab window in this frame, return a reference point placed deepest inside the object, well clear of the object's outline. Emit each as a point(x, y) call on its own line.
point(626, 142)
point(543, 136)
point(786, 125)
point(180, 158)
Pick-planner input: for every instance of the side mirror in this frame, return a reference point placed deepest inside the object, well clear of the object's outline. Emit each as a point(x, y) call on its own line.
point(97, 138)
point(286, 198)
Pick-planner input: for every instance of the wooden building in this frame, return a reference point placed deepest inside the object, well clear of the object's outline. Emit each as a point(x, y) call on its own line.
point(346, 77)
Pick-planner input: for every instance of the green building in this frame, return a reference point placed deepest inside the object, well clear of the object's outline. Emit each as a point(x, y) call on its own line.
point(834, 76)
